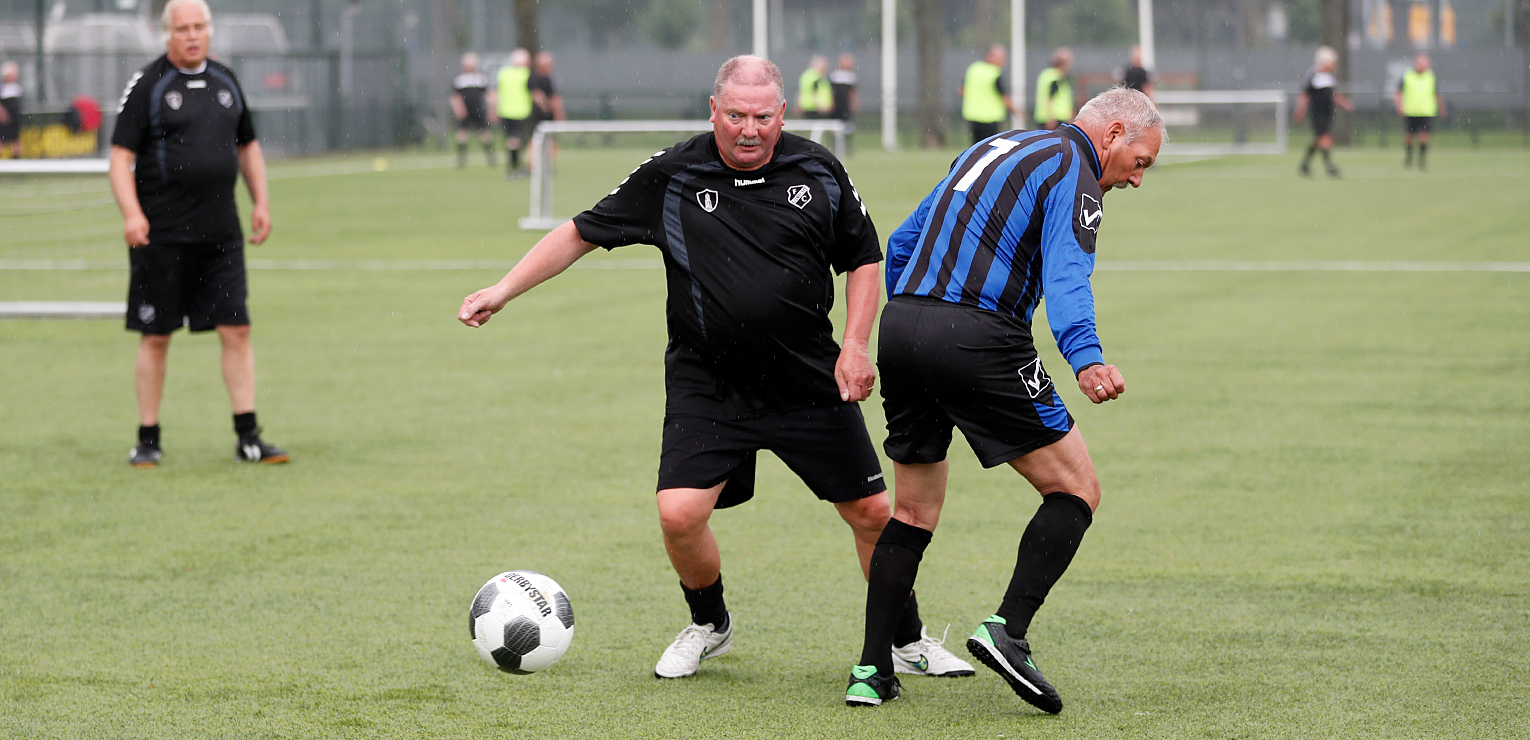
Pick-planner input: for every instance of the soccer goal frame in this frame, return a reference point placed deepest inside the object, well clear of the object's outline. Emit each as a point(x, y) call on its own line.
point(1228, 97)
point(91, 166)
point(541, 217)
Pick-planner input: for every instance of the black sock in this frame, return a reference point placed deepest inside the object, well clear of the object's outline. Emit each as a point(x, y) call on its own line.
point(148, 435)
point(515, 159)
point(1422, 148)
point(894, 566)
point(461, 151)
point(1307, 158)
point(909, 629)
point(1046, 549)
point(707, 605)
point(244, 424)
point(1408, 154)
point(1327, 158)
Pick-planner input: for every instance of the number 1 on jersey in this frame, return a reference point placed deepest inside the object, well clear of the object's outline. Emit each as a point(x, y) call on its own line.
point(1000, 147)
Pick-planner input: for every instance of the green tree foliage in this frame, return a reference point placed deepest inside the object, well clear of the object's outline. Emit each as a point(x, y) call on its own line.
point(669, 24)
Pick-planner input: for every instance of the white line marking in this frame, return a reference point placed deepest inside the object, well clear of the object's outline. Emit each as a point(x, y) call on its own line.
point(304, 265)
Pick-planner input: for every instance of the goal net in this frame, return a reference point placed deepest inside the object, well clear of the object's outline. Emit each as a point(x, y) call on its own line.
point(542, 216)
point(1223, 122)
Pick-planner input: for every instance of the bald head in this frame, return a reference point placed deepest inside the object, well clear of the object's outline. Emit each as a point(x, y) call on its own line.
point(749, 71)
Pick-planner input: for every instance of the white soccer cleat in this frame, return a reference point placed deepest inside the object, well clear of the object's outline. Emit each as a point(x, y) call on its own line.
point(694, 644)
point(929, 657)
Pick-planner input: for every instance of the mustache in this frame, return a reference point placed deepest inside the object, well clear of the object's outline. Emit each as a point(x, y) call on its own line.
point(749, 141)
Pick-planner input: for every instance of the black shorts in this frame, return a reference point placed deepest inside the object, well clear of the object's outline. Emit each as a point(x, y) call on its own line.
point(474, 121)
point(514, 128)
point(981, 130)
point(828, 448)
point(10, 132)
point(1418, 124)
point(1322, 123)
point(945, 365)
point(197, 285)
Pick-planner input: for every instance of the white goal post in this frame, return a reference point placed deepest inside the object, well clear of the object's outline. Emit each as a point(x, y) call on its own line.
point(542, 218)
point(1185, 108)
point(91, 166)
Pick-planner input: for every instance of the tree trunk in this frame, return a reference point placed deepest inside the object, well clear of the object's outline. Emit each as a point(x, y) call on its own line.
point(528, 26)
point(1522, 23)
point(1336, 35)
point(929, 39)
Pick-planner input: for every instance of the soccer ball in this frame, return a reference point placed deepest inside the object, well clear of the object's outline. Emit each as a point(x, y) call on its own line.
point(521, 621)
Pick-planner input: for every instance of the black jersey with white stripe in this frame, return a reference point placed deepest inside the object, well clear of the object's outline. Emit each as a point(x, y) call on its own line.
point(473, 88)
point(1015, 218)
point(1319, 86)
point(186, 129)
point(749, 258)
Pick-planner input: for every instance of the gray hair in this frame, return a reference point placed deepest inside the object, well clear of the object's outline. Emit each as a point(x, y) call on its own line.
point(1325, 56)
point(165, 18)
point(1127, 106)
point(747, 69)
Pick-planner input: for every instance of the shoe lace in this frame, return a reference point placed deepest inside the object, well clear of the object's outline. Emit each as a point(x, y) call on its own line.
point(934, 642)
point(690, 641)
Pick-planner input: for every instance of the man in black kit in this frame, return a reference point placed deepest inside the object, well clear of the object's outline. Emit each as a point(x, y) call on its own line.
point(185, 125)
point(750, 222)
point(1137, 77)
point(546, 103)
point(1319, 96)
point(470, 105)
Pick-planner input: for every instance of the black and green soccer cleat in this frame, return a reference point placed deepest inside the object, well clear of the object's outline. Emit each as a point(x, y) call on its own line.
point(867, 689)
point(1011, 659)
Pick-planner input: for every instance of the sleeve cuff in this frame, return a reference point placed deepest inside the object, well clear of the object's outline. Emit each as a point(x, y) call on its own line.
point(1084, 359)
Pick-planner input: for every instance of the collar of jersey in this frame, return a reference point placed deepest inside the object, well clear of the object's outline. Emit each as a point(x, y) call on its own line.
point(197, 71)
point(1082, 139)
point(775, 154)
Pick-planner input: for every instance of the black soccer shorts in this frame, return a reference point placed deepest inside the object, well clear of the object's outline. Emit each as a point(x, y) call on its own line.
point(1419, 124)
point(202, 286)
point(514, 128)
point(946, 365)
point(828, 448)
point(474, 121)
point(1322, 123)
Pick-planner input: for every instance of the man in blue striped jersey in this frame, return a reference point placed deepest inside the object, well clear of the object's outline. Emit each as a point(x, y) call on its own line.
point(1015, 219)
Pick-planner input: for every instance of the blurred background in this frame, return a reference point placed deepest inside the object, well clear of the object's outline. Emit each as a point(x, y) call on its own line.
point(329, 75)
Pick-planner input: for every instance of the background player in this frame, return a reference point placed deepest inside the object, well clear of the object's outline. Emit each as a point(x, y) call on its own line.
point(751, 221)
point(512, 100)
point(815, 94)
point(1418, 102)
point(964, 274)
point(986, 105)
point(1054, 91)
point(847, 100)
point(183, 138)
point(1317, 101)
point(470, 105)
point(10, 109)
point(1137, 77)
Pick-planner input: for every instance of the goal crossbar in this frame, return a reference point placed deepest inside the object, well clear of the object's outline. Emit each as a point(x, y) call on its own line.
point(53, 166)
point(1228, 97)
point(542, 218)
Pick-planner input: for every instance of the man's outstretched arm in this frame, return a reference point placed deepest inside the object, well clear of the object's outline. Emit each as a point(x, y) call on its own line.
point(853, 371)
point(552, 255)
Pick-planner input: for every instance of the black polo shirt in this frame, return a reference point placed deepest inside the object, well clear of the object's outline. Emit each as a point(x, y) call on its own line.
point(186, 130)
point(748, 258)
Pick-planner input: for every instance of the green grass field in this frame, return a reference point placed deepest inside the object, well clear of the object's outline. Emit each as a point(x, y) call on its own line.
point(1316, 520)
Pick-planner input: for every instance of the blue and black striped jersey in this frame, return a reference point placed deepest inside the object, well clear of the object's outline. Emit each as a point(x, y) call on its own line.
point(1014, 219)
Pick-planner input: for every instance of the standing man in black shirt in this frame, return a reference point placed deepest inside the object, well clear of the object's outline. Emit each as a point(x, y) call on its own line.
point(750, 222)
point(470, 105)
point(185, 124)
point(546, 103)
point(847, 100)
point(1319, 96)
point(1137, 77)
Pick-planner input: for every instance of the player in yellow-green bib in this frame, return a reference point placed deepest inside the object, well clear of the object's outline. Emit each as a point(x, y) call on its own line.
point(512, 101)
point(815, 95)
point(1054, 91)
point(1418, 102)
point(986, 105)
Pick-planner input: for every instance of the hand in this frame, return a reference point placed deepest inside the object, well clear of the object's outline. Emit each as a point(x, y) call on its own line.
point(854, 373)
point(260, 223)
point(479, 307)
point(1101, 383)
point(135, 229)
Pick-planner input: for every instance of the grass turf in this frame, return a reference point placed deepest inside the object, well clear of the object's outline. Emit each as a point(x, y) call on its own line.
point(1315, 525)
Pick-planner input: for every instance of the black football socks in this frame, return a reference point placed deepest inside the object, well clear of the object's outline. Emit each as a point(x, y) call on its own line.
point(1423, 148)
point(910, 629)
point(148, 435)
point(244, 425)
point(1046, 549)
point(707, 605)
point(894, 566)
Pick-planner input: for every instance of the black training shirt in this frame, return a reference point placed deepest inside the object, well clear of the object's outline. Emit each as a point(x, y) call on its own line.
point(748, 258)
point(1319, 86)
point(186, 130)
point(1136, 78)
point(473, 88)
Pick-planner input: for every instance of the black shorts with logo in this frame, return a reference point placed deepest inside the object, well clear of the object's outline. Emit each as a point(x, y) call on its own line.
point(946, 365)
point(202, 286)
point(828, 448)
point(1419, 124)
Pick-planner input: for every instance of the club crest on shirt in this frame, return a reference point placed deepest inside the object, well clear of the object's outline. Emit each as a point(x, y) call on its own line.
point(173, 99)
point(225, 99)
point(146, 313)
point(707, 199)
point(1089, 212)
point(1035, 380)
point(799, 196)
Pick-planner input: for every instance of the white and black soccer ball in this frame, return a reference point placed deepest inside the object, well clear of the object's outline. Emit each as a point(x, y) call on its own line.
point(521, 621)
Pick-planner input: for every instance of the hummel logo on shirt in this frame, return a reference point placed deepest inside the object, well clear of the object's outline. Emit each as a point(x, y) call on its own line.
point(744, 183)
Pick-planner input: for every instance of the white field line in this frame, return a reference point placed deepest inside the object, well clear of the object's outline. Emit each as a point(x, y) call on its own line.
point(653, 264)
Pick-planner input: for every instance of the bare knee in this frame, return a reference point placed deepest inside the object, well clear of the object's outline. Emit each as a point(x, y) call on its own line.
point(155, 342)
point(682, 518)
point(866, 514)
